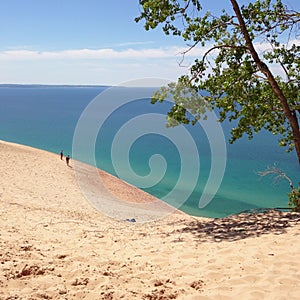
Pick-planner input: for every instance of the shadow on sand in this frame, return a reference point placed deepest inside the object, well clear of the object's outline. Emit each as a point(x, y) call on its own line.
point(241, 226)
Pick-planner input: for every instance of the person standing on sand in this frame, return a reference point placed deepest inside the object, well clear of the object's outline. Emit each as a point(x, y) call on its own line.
point(61, 154)
point(68, 160)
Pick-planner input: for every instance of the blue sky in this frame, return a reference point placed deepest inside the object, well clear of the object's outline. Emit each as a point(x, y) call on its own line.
point(84, 42)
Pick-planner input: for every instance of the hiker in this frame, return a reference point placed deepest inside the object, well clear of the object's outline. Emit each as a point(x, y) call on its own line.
point(68, 160)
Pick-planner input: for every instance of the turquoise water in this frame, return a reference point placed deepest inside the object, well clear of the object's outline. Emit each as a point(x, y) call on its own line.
point(46, 117)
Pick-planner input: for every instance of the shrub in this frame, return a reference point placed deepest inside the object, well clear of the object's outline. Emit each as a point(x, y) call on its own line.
point(294, 199)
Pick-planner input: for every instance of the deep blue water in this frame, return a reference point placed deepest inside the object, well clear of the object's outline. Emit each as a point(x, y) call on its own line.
point(46, 117)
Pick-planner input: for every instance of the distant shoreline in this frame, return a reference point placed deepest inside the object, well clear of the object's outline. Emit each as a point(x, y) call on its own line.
point(37, 85)
point(25, 85)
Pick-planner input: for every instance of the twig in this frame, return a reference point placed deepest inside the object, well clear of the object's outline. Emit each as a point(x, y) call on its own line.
point(279, 172)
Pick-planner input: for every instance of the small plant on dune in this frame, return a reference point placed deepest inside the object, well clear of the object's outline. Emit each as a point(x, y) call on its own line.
point(294, 199)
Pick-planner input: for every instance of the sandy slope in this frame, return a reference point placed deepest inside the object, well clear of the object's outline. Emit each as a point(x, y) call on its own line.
point(55, 245)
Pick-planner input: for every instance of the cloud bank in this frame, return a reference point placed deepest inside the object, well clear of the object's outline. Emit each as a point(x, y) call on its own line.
point(107, 53)
point(99, 66)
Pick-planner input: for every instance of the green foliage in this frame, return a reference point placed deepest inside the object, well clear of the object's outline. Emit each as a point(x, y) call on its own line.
point(294, 199)
point(233, 82)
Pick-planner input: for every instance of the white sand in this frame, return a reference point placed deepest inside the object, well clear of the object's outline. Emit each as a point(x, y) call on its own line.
point(55, 245)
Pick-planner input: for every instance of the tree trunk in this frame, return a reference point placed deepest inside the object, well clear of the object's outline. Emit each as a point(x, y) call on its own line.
point(290, 115)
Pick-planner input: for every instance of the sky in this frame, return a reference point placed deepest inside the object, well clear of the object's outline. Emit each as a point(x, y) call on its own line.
point(86, 42)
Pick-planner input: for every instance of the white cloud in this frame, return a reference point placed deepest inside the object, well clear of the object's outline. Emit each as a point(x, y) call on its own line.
point(98, 66)
point(108, 53)
point(263, 47)
point(88, 66)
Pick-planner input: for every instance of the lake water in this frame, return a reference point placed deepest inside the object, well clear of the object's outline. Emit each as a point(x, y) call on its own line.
point(46, 118)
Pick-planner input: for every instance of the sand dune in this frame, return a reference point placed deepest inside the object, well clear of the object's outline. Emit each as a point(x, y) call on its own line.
point(55, 245)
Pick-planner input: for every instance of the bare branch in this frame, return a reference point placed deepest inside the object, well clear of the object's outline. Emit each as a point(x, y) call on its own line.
point(280, 174)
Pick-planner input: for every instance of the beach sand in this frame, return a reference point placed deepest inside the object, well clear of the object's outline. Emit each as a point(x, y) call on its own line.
point(55, 245)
